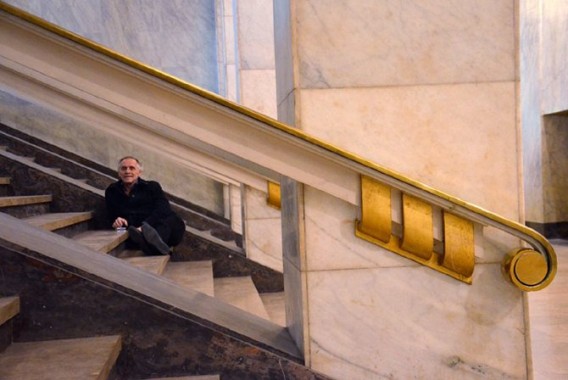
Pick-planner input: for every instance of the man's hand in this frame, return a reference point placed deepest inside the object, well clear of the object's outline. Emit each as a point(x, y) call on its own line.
point(119, 222)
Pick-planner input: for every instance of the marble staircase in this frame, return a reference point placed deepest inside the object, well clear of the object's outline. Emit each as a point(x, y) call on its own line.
point(231, 316)
point(93, 357)
point(82, 358)
point(197, 275)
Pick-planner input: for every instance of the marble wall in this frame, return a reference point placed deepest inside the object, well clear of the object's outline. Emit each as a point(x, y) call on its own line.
point(428, 89)
point(425, 89)
point(554, 81)
point(532, 136)
point(543, 93)
point(175, 36)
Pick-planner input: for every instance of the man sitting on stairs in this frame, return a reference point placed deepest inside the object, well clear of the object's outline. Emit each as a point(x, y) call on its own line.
point(142, 208)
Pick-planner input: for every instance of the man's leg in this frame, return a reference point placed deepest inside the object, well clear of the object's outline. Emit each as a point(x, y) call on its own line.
point(154, 238)
point(137, 238)
point(177, 230)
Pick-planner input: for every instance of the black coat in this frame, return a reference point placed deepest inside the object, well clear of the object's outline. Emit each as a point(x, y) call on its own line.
point(146, 202)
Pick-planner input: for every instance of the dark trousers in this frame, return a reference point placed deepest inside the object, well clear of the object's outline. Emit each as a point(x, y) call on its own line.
point(170, 229)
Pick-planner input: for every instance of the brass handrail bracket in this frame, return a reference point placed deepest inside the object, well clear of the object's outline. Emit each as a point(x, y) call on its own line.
point(417, 240)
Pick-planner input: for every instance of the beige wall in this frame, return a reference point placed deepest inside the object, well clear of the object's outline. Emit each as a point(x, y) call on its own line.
point(428, 89)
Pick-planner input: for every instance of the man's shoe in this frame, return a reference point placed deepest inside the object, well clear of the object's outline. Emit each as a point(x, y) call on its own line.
point(137, 237)
point(154, 239)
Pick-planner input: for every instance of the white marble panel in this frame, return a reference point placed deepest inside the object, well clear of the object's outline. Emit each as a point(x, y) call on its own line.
point(354, 43)
point(408, 323)
point(283, 52)
point(263, 231)
point(548, 316)
point(530, 98)
point(264, 242)
point(228, 7)
point(258, 91)
point(332, 245)
point(554, 74)
point(171, 36)
point(330, 237)
point(555, 168)
point(231, 85)
point(236, 207)
point(460, 139)
point(257, 206)
point(230, 41)
point(256, 34)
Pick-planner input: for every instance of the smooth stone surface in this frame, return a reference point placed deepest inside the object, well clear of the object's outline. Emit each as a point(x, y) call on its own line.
point(153, 264)
point(263, 230)
point(53, 221)
point(196, 275)
point(407, 323)
point(9, 308)
point(240, 292)
point(432, 134)
point(358, 44)
point(548, 318)
point(92, 358)
point(275, 306)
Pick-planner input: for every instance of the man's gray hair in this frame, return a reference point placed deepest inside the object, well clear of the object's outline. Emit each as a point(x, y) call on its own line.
point(132, 158)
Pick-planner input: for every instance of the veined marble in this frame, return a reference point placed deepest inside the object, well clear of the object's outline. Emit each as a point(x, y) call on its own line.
point(256, 35)
point(263, 234)
point(548, 318)
point(371, 314)
point(358, 43)
point(410, 323)
point(530, 97)
point(174, 36)
point(544, 74)
point(258, 91)
point(460, 139)
point(554, 74)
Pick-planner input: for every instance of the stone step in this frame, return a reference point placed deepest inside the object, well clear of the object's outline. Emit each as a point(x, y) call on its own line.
point(86, 358)
point(240, 292)
point(4, 186)
point(9, 308)
point(153, 264)
point(55, 221)
point(202, 377)
point(101, 240)
point(24, 200)
point(196, 275)
point(274, 303)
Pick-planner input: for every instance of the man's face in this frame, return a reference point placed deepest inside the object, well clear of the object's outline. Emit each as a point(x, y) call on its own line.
point(129, 171)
